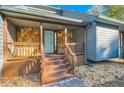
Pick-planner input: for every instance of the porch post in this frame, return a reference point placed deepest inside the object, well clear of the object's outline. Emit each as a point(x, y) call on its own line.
point(85, 47)
point(121, 45)
point(5, 39)
point(121, 39)
point(41, 33)
point(65, 30)
point(42, 55)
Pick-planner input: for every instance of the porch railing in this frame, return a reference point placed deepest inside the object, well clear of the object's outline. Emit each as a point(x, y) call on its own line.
point(71, 51)
point(21, 50)
point(70, 56)
point(77, 48)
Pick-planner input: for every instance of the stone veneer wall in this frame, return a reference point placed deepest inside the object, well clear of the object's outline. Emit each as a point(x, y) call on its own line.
point(28, 34)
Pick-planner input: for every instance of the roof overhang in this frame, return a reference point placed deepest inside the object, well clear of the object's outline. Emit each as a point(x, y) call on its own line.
point(109, 20)
point(41, 16)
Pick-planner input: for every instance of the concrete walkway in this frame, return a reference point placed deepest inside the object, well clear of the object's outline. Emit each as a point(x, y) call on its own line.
point(73, 82)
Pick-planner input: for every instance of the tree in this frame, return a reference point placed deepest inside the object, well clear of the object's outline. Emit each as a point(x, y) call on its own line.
point(113, 11)
point(97, 9)
point(116, 12)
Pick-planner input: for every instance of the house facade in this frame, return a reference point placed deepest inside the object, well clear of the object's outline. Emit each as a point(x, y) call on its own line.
point(54, 41)
point(105, 39)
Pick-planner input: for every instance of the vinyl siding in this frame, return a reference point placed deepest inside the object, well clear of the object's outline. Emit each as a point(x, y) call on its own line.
point(1, 45)
point(107, 41)
point(91, 42)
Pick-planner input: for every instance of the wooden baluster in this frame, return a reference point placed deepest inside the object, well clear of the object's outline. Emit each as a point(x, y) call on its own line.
point(35, 50)
point(16, 51)
point(14, 54)
point(11, 51)
point(20, 51)
point(8, 49)
point(31, 51)
point(23, 51)
point(27, 50)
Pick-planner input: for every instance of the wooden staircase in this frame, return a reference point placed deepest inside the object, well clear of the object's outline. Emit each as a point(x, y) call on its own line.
point(56, 68)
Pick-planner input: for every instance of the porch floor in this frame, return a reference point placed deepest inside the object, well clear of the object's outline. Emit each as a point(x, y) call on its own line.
point(119, 60)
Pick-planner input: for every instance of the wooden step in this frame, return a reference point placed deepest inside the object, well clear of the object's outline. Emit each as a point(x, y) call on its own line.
point(55, 62)
point(55, 68)
point(54, 56)
point(58, 78)
point(56, 72)
point(60, 66)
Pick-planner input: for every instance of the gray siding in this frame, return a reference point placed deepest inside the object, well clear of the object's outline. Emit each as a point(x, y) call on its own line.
point(107, 42)
point(91, 42)
point(1, 45)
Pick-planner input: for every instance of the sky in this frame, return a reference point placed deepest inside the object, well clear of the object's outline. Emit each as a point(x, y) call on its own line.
point(78, 8)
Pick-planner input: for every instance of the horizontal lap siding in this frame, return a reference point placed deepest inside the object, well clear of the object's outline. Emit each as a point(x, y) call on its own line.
point(107, 41)
point(1, 45)
point(91, 42)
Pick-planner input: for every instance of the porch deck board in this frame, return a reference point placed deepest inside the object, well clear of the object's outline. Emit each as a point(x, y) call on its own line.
point(119, 60)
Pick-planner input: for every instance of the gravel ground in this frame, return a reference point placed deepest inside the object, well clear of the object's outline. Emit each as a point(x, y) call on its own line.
point(103, 74)
point(26, 81)
point(34, 81)
point(73, 82)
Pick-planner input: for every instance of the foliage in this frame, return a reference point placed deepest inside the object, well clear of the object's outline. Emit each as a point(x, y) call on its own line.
point(96, 10)
point(113, 11)
point(116, 12)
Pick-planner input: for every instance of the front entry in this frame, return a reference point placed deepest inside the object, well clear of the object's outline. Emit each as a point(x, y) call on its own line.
point(49, 41)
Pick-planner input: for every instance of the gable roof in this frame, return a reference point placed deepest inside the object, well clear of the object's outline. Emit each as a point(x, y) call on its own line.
point(40, 14)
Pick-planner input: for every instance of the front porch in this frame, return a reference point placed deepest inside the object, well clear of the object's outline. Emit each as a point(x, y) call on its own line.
point(26, 43)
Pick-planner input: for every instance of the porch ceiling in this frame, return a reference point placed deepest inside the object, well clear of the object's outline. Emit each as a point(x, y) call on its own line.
point(19, 22)
point(28, 23)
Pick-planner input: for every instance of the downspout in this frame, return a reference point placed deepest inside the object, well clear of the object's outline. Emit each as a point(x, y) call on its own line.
point(85, 43)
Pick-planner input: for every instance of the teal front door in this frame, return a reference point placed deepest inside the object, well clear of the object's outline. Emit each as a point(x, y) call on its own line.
point(49, 41)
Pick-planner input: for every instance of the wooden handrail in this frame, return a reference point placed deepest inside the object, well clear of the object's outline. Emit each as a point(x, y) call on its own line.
point(76, 48)
point(24, 43)
point(70, 56)
point(77, 43)
point(69, 49)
